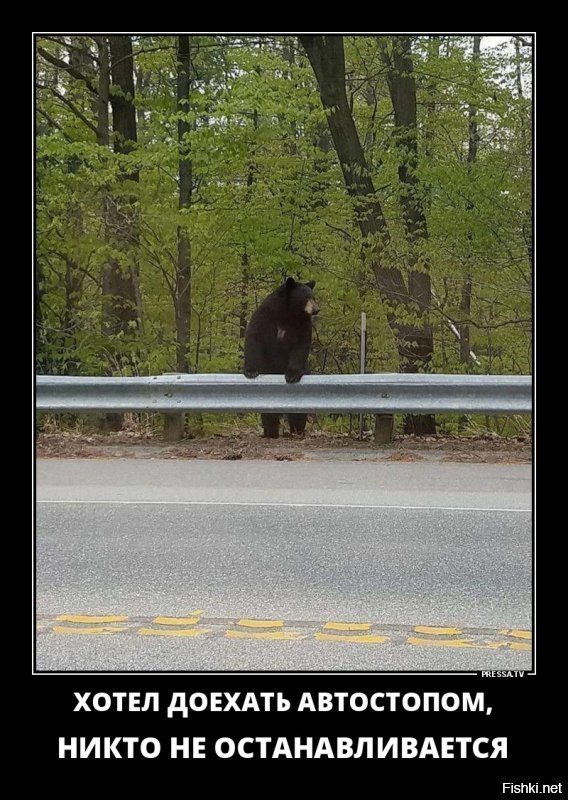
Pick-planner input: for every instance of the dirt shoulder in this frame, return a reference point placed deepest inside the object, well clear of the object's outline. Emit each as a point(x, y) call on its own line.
point(485, 449)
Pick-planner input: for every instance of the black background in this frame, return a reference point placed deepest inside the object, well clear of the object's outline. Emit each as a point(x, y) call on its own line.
point(529, 711)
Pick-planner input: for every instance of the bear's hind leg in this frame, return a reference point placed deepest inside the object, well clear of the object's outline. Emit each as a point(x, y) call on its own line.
point(297, 423)
point(271, 425)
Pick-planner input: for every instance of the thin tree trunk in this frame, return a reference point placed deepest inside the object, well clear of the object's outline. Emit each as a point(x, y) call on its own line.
point(81, 60)
point(431, 89)
point(141, 82)
point(243, 311)
point(527, 223)
point(473, 145)
point(120, 310)
point(417, 340)
point(121, 295)
point(183, 272)
point(174, 424)
point(467, 286)
point(288, 55)
point(110, 421)
point(103, 91)
point(245, 258)
point(38, 314)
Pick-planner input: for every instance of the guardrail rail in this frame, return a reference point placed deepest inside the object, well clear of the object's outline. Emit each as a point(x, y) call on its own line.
point(385, 393)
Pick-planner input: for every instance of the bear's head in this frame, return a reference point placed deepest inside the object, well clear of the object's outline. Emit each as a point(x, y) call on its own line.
point(300, 297)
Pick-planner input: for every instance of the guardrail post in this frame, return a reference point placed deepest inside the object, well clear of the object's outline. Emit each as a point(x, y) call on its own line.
point(112, 422)
point(384, 427)
point(174, 425)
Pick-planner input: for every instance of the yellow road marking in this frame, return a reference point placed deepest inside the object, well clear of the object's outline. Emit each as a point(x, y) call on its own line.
point(436, 636)
point(101, 629)
point(347, 626)
point(517, 633)
point(455, 643)
point(520, 646)
point(437, 631)
point(261, 623)
point(338, 637)
point(276, 635)
point(92, 618)
point(162, 632)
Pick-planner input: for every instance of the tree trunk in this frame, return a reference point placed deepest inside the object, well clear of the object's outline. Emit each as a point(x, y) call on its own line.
point(527, 226)
point(417, 339)
point(288, 56)
point(121, 296)
point(473, 144)
point(245, 258)
point(109, 421)
point(103, 92)
point(140, 82)
point(243, 311)
point(431, 90)
point(465, 300)
point(327, 58)
point(120, 310)
point(81, 60)
point(38, 314)
point(183, 272)
point(174, 424)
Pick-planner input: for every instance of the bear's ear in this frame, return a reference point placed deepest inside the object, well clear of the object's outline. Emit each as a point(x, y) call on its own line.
point(311, 284)
point(290, 283)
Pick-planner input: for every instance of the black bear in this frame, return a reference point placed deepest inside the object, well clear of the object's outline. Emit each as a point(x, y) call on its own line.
point(277, 342)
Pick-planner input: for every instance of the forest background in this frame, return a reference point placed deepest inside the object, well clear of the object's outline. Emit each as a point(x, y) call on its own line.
point(181, 178)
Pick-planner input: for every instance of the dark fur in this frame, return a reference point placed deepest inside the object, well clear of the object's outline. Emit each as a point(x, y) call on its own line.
point(277, 342)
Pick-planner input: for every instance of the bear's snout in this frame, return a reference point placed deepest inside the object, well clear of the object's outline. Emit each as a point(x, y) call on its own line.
point(311, 308)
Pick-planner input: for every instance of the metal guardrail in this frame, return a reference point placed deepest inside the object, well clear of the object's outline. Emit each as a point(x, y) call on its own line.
point(384, 393)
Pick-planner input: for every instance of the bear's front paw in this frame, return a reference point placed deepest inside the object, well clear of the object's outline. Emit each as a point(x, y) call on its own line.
point(293, 377)
point(251, 373)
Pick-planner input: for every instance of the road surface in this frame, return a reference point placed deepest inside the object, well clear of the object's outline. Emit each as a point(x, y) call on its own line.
point(206, 565)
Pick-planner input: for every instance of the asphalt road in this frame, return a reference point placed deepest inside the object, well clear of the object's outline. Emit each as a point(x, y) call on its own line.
point(289, 566)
